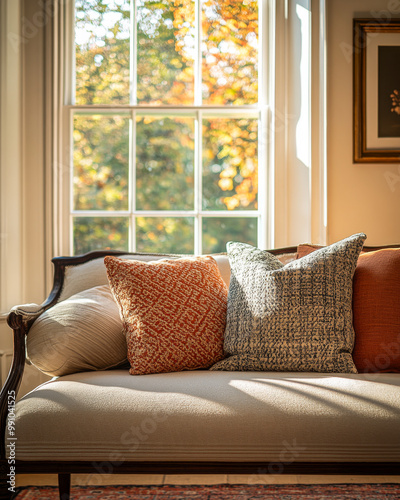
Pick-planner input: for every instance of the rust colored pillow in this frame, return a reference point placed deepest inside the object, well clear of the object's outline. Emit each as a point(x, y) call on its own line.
point(173, 312)
point(376, 309)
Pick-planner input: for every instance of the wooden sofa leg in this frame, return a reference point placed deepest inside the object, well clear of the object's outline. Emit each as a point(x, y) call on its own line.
point(64, 486)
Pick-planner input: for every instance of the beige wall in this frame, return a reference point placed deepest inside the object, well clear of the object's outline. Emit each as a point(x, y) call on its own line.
point(361, 197)
point(22, 158)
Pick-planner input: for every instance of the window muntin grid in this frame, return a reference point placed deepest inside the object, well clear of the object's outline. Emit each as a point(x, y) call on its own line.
point(196, 208)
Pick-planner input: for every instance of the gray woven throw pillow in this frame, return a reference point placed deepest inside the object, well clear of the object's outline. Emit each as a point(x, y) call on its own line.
point(296, 317)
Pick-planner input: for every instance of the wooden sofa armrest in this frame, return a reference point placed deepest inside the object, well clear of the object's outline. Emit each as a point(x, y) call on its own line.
point(20, 319)
point(27, 313)
point(10, 389)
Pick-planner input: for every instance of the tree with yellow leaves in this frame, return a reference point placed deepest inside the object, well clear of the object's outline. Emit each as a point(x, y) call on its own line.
point(165, 68)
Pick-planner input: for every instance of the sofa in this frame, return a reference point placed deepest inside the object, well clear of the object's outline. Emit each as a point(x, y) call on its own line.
point(113, 418)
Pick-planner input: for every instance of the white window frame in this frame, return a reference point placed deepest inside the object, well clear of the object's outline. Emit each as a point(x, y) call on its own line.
point(261, 111)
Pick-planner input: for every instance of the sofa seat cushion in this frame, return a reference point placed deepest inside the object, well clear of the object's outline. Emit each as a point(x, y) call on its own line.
point(113, 417)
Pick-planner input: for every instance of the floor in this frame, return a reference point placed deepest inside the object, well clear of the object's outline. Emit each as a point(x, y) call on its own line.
point(146, 479)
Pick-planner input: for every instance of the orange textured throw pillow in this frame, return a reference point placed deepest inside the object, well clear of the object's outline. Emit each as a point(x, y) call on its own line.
point(376, 309)
point(173, 312)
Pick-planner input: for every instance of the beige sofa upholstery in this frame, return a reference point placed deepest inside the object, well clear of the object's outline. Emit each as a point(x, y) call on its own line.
point(203, 415)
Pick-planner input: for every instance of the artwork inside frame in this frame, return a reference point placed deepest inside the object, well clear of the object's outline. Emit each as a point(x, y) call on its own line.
point(376, 90)
point(389, 91)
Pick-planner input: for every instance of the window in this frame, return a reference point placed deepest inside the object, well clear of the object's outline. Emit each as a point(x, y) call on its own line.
point(165, 118)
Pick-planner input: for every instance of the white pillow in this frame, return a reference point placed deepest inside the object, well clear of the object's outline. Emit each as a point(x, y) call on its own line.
point(81, 333)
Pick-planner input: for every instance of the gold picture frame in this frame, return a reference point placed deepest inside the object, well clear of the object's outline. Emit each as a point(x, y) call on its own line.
point(376, 100)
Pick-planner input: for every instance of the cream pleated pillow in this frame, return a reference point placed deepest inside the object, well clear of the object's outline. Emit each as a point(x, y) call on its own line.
point(81, 333)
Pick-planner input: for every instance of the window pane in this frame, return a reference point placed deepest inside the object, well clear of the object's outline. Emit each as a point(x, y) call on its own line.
point(230, 164)
point(164, 163)
point(230, 39)
point(217, 231)
point(165, 235)
point(100, 233)
point(102, 31)
point(165, 51)
point(101, 162)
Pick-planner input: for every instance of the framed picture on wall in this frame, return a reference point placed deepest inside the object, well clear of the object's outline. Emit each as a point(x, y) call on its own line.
point(376, 90)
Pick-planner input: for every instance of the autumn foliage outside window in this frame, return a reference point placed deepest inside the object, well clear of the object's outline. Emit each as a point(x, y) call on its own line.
point(165, 125)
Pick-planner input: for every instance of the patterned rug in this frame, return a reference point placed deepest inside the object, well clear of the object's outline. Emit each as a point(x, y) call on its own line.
point(221, 492)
